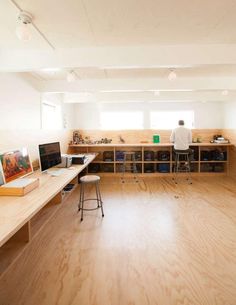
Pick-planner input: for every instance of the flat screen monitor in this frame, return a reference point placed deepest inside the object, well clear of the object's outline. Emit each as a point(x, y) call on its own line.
point(50, 155)
point(14, 164)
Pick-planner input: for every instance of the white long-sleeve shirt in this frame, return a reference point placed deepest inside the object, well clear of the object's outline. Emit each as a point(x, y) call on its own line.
point(181, 137)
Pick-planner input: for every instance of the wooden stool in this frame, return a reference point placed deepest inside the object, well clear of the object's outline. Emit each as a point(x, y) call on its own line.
point(182, 164)
point(129, 164)
point(90, 179)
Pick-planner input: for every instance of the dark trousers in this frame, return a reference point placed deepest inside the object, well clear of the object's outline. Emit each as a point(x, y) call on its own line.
point(189, 151)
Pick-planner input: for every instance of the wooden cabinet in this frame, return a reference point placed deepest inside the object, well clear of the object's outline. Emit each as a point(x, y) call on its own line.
point(156, 159)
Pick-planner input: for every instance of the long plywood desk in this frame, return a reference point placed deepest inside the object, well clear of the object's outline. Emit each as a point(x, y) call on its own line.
point(21, 217)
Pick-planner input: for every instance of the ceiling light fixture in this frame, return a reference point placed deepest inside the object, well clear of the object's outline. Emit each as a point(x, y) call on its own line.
point(25, 23)
point(172, 75)
point(23, 31)
point(225, 92)
point(71, 76)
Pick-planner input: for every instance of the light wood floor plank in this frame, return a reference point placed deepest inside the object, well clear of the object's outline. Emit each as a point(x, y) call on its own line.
point(159, 243)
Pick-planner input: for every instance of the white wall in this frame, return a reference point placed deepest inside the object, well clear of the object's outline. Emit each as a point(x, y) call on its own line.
point(67, 109)
point(19, 103)
point(20, 108)
point(230, 115)
point(207, 115)
point(20, 116)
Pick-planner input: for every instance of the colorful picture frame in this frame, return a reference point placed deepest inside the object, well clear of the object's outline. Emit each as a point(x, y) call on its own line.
point(15, 164)
point(1, 175)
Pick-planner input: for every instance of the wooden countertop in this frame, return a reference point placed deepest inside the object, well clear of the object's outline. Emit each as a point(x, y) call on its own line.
point(146, 144)
point(17, 211)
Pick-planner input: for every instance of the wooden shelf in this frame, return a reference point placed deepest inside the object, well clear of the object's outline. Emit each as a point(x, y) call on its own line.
point(192, 162)
point(213, 161)
point(156, 162)
point(103, 162)
point(143, 147)
point(122, 162)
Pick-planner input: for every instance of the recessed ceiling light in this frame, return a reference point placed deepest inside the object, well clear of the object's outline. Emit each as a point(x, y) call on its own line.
point(71, 76)
point(172, 75)
point(225, 92)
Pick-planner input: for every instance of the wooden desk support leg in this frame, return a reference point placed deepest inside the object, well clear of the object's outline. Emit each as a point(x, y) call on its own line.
point(23, 235)
point(74, 181)
point(56, 200)
point(227, 163)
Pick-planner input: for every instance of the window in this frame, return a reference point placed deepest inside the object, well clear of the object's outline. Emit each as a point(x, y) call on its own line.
point(169, 119)
point(121, 120)
point(51, 116)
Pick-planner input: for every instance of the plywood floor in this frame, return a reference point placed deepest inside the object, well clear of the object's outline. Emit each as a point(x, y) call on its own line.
point(158, 244)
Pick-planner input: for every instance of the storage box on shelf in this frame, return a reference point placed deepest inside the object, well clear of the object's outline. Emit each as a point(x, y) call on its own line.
point(156, 159)
point(130, 163)
point(137, 168)
point(94, 168)
point(163, 168)
point(214, 159)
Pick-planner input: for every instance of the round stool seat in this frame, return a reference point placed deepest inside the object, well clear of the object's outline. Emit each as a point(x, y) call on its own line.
point(89, 179)
point(179, 152)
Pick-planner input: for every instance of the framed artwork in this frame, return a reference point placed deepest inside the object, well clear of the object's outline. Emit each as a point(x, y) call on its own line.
point(1, 175)
point(15, 164)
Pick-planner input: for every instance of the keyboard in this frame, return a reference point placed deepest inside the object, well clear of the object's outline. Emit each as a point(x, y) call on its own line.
point(56, 173)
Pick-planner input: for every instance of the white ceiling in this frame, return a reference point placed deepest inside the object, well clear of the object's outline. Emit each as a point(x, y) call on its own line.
point(125, 45)
point(80, 23)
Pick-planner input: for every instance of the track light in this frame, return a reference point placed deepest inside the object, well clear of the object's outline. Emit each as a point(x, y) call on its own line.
point(172, 75)
point(22, 30)
point(71, 76)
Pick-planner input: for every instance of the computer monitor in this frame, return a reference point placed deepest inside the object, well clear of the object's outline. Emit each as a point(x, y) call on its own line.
point(49, 155)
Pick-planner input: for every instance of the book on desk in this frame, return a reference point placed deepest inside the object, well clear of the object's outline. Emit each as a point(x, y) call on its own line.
point(19, 187)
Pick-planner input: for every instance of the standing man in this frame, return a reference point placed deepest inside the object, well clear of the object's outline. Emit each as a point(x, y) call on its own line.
point(181, 137)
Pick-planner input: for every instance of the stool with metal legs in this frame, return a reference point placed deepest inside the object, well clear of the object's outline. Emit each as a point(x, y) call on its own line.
point(129, 165)
point(90, 179)
point(182, 164)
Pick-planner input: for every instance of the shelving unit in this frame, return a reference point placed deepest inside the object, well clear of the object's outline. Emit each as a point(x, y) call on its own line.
point(154, 165)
